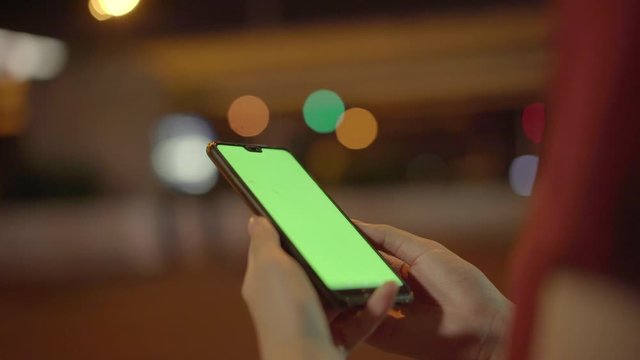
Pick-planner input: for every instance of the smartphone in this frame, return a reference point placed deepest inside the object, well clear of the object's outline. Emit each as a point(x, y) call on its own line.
point(338, 258)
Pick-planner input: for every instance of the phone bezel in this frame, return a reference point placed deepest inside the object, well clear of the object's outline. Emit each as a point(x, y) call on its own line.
point(339, 298)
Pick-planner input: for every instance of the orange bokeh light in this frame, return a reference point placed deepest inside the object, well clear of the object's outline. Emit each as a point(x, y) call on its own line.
point(248, 115)
point(357, 129)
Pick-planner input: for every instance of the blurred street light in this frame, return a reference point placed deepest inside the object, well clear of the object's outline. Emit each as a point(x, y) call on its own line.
point(105, 9)
point(178, 155)
point(248, 116)
point(522, 174)
point(31, 57)
point(357, 129)
point(322, 110)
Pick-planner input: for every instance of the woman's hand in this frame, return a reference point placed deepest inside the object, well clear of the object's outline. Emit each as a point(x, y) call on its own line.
point(457, 313)
point(287, 313)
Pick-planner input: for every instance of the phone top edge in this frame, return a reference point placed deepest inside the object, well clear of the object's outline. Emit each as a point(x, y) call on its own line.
point(215, 143)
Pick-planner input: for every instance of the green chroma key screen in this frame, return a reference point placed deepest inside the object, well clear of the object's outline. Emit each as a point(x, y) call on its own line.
point(333, 248)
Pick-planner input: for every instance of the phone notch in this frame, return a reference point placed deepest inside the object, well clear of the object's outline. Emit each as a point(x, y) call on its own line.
point(253, 148)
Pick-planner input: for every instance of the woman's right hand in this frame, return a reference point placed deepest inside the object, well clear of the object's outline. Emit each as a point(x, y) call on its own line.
point(457, 312)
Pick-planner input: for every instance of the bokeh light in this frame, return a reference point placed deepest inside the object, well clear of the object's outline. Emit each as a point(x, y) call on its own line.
point(32, 57)
point(322, 110)
point(96, 11)
point(522, 174)
point(14, 102)
point(178, 156)
point(248, 115)
point(115, 7)
point(533, 122)
point(357, 129)
point(326, 160)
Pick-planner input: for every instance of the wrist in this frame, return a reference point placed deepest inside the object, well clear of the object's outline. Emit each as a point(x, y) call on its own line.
point(494, 343)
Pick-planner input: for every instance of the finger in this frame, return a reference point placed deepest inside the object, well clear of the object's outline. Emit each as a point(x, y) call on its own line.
point(278, 293)
point(266, 257)
point(404, 270)
point(264, 237)
point(349, 330)
point(400, 267)
point(271, 273)
point(263, 245)
point(401, 244)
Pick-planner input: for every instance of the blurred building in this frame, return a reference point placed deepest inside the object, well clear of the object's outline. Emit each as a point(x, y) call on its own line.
point(98, 213)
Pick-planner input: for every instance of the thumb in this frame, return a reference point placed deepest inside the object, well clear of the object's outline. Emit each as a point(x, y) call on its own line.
point(351, 329)
point(264, 237)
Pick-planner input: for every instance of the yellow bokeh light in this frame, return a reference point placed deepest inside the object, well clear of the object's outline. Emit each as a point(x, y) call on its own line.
point(248, 115)
point(96, 11)
point(115, 7)
point(357, 129)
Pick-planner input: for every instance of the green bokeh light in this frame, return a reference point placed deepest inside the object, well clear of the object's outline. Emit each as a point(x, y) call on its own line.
point(322, 110)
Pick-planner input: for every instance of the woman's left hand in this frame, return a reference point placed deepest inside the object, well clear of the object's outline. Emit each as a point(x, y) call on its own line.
point(289, 319)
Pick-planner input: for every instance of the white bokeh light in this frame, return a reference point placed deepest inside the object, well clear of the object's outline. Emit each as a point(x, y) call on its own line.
point(178, 156)
point(522, 174)
point(31, 57)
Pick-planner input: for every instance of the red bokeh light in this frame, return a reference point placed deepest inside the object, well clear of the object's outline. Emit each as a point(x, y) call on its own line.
point(533, 122)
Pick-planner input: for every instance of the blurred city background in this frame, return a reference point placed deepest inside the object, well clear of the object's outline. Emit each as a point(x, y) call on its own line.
point(117, 237)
